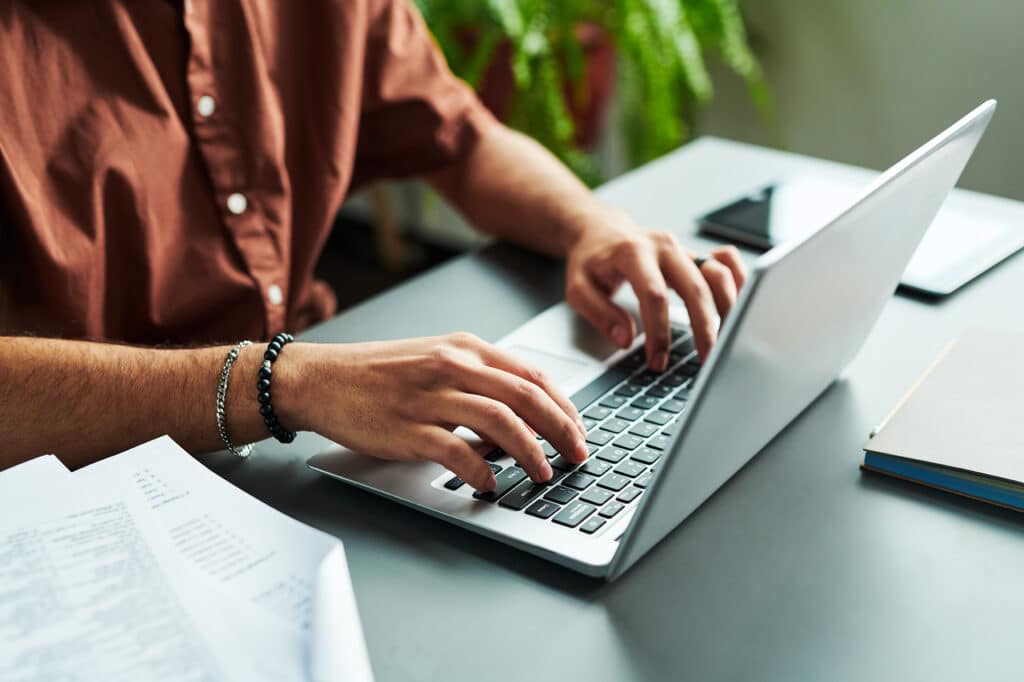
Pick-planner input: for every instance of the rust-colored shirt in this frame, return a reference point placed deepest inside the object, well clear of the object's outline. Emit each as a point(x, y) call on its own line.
point(169, 171)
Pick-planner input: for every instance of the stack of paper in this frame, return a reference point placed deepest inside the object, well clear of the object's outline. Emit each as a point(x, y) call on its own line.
point(147, 566)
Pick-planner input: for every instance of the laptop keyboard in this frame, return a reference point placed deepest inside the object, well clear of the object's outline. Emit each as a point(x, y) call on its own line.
point(631, 414)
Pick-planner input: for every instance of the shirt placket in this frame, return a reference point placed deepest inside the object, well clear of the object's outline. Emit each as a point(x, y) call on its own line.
point(220, 144)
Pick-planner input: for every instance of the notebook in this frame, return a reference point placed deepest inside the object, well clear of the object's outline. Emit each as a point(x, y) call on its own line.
point(960, 427)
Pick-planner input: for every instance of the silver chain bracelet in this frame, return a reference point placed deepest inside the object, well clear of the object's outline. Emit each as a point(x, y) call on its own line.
point(222, 395)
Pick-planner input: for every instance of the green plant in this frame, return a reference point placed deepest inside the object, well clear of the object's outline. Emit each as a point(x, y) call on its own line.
point(660, 49)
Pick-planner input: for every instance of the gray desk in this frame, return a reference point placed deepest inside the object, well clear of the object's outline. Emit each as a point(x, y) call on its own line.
point(800, 568)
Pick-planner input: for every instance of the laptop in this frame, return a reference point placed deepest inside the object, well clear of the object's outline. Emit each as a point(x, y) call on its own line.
point(662, 443)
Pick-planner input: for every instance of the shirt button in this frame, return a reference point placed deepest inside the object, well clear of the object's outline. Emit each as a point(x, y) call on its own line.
point(275, 295)
point(237, 203)
point(206, 106)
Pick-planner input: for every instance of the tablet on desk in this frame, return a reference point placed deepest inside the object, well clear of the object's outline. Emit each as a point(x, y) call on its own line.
point(957, 248)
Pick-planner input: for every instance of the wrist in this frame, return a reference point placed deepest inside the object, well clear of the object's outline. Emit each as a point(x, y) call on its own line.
point(585, 219)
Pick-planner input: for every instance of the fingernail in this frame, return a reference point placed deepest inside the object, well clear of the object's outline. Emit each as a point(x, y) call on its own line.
point(546, 471)
point(620, 336)
point(661, 361)
point(581, 427)
point(491, 484)
point(581, 450)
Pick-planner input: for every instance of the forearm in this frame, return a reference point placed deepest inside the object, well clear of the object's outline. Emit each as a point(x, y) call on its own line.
point(83, 401)
point(512, 187)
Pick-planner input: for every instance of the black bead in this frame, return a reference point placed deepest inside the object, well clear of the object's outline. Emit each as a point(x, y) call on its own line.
point(271, 355)
point(264, 373)
point(267, 410)
point(289, 337)
point(270, 420)
point(288, 437)
point(264, 398)
point(263, 385)
point(276, 430)
point(281, 338)
point(274, 345)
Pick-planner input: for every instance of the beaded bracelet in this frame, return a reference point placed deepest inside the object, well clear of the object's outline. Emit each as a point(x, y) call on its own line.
point(277, 430)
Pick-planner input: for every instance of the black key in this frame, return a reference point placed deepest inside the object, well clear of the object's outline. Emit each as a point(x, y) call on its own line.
point(597, 496)
point(659, 391)
point(578, 481)
point(628, 496)
point(630, 414)
point(494, 455)
point(659, 442)
point(522, 494)
point(613, 401)
point(645, 378)
point(646, 455)
point(454, 483)
point(645, 402)
point(634, 360)
point(592, 525)
point(673, 406)
point(628, 442)
point(643, 429)
point(598, 413)
point(614, 482)
point(595, 467)
point(507, 479)
point(630, 468)
point(673, 380)
point(561, 495)
point(628, 389)
point(684, 392)
point(562, 463)
point(599, 437)
point(599, 386)
point(612, 454)
point(611, 510)
point(644, 480)
point(675, 357)
point(615, 425)
point(574, 514)
point(659, 417)
point(542, 509)
point(549, 449)
point(678, 333)
point(495, 468)
point(687, 346)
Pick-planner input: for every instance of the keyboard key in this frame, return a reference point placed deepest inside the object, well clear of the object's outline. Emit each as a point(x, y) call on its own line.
point(560, 494)
point(542, 509)
point(612, 454)
point(522, 495)
point(454, 483)
point(595, 467)
point(634, 360)
point(628, 442)
point(659, 391)
point(673, 406)
point(644, 430)
point(596, 496)
point(494, 455)
point(628, 496)
point(589, 424)
point(614, 482)
point(659, 442)
point(613, 401)
point(645, 402)
point(592, 525)
point(628, 389)
point(686, 346)
point(615, 425)
point(659, 417)
point(673, 380)
point(610, 510)
point(495, 468)
point(507, 479)
point(683, 393)
point(549, 449)
point(645, 378)
point(644, 480)
point(578, 481)
point(678, 333)
point(630, 414)
point(599, 386)
point(599, 437)
point(671, 429)
point(574, 514)
point(597, 413)
point(630, 468)
point(562, 463)
point(647, 455)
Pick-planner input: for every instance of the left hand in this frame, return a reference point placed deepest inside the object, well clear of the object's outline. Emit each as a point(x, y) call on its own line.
point(613, 249)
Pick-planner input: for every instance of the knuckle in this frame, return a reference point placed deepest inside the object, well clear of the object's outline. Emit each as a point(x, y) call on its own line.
point(446, 360)
point(629, 248)
point(537, 376)
point(527, 393)
point(656, 295)
point(464, 340)
point(496, 414)
point(666, 240)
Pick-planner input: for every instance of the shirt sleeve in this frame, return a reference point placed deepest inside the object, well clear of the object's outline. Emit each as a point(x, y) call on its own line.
point(415, 116)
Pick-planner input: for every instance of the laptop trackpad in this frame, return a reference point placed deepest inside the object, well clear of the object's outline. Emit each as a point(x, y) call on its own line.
point(562, 370)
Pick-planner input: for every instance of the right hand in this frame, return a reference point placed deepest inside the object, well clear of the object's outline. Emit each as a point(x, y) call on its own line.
point(401, 400)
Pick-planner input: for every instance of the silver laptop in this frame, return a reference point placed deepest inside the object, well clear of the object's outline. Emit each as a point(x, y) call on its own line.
point(661, 444)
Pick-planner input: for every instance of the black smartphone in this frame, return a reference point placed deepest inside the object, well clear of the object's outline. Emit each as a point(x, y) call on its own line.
point(747, 221)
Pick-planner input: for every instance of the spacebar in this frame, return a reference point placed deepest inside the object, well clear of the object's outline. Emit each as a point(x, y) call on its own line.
point(599, 386)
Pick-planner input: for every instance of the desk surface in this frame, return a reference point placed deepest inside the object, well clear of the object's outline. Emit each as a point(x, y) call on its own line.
point(799, 568)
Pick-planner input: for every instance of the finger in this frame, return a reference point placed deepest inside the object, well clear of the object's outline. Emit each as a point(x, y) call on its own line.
point(730, 257)
point(640, 266)
point(684, 277)
point(496, 422)
point(438, 445)
point(532, 405)
point(593, 303)
point(499, 359)
point(721, 283)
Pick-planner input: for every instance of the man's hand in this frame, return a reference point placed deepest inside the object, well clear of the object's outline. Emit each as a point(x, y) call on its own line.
point(401, 400)
point(612, 250)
